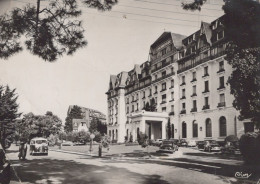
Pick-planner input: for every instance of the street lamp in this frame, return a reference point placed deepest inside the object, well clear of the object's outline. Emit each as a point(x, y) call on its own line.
point(92, 136)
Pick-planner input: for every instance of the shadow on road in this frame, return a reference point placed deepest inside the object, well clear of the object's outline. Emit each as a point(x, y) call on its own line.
point(67, 172)
point(215, 155)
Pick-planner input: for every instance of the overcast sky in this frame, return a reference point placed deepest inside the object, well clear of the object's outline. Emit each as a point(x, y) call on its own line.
point(116, 41)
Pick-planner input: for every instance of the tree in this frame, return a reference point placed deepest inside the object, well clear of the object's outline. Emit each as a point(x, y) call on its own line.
point(75, 113)
point(8, 112)
point(49, 32)
point(93, 125)
point(242, 25)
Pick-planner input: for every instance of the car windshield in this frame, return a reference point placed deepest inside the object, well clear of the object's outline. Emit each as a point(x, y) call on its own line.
point(41, 141)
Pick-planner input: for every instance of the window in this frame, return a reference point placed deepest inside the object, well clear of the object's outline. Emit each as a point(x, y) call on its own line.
point(163, 86)
point(163, 73)
point(193, 76)
point(206, 86)
point(172, 83)
point(222, 126)
point(133, 98)
point(164, 98)
point(221, 66)
point(155, 99)
point(133, 108)
point(222, 98)
point(220, 35)
point(137, 96)
point(193, 48)
point(137, 106)
point(155, 89)
point(127, 100)
point(193, 90)
point(143, 104)
point(163, 51)
point(82, 123)
point(184, 130)
point(172, 70)
point(221, 82)
point(172, 108)
point(183, 79)
point(163, 109)
point(206, 71)
point(127, 109)
point(172, 95)
point(208, 128)
point(194, 102)
point(206, 101)
point(150, 90)
point(183, 93)
point(155, 77)
point(183, 106)
point(195, 129)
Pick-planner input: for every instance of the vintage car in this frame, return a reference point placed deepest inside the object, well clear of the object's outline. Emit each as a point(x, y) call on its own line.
point(192, 143)
point(166, 149)
point(183, 143)
point(170, 142)
point(211, 145)
point(39, 146)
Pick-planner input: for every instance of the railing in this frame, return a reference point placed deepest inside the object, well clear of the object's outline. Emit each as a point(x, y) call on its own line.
point(221, 87)
point(171, 113)
point(162, 66)
point(222, 104)
point(163, 77)
point(194, 94)
point(205, 107)
point(183, 112)
point(194, 109)
point(163, 56)
point(210, 57)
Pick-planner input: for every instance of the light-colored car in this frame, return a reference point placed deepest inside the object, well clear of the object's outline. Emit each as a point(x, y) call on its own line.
point(211, 145)
point(192, 143)
point(68, 143)
point(158, 142)
point(39, 145)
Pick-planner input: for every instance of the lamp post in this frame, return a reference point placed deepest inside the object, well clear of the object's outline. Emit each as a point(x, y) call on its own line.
point(92, 136)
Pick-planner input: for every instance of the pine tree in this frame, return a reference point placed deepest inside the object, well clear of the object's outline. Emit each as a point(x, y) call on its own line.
point(8, 112)
point(75, 113)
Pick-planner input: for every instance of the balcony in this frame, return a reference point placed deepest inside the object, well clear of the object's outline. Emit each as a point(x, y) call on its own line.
point(171, 100)
point(222, 104)
point(163, 102)
point(163, 77)
point(163, 90)
point(155, 93)
point(205, 107)
point(194, 109)
point(205, 75)
point(205, 91)
point(182, 98)
point(162, 66)
point(221, 70)
point(182, 84)
point(171, 113)
point(183, 111)
point(221, 88)
point(193, 80)
point(154, 60)
point(193, 95)
point(171, 87)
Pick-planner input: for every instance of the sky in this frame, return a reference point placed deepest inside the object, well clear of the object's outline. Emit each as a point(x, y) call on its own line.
point(116, 41)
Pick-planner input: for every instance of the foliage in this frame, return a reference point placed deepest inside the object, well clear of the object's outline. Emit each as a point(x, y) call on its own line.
point(143, 139)
point(75, 113)
point(249, 145)
point(152, 107)
point(242, 24)
point(105, 141)
point(8, 111)
point(97, 125)
point(100, 5)
point(49, 32)
point(39, 125)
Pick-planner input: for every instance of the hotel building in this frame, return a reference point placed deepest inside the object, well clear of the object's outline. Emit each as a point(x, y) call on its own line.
point(184, 83)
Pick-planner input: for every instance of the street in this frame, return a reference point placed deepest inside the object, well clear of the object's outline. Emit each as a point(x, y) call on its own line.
point(60, 167)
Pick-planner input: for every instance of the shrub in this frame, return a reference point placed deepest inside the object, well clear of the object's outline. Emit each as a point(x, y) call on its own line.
point(143, 138)
point(249, 145)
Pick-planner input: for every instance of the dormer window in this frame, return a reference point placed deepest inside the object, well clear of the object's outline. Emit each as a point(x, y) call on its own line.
point(190, 39)
point(193, 48)
point(220, 35)
point(181, 54)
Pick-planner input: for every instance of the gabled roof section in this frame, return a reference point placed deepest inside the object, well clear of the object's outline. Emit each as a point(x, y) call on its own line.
point(177, 39)
point(205, 28)
point(137, 69)
point(122, 79)
point(112, 81)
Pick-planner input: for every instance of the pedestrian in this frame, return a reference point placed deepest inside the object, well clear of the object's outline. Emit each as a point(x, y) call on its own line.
point(22, 150)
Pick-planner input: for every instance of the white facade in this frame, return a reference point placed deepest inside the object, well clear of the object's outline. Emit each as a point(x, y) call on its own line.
point(186, 80)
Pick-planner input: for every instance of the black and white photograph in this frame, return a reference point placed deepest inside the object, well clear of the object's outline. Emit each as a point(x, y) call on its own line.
point(129, 91)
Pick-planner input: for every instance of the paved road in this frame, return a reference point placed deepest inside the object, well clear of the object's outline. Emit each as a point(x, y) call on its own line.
point(68, 168)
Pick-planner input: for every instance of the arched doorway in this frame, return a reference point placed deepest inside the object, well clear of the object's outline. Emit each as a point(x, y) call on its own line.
point(222, 126)
point(184, 130)
point(195, 128)
point(208, 128)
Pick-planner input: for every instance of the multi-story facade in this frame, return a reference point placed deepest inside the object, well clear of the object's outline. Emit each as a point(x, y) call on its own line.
point(185, 81)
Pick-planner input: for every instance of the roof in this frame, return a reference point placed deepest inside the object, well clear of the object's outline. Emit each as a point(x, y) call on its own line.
point(177, 39)
point(208, 32)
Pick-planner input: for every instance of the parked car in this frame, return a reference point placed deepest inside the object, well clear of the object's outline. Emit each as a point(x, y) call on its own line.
point(183, 142)
point(175, 141)
point(170, 143)
point(166, 149)
point(192, 143)
point(211, 145)
point(200, 145)
point(5, 168)
point(39, 145)
point(158, 142)
point(68, 143)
